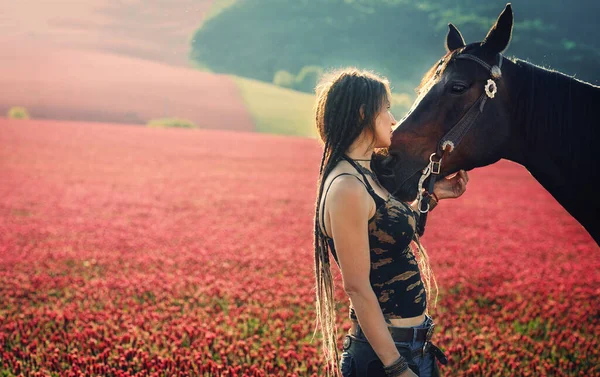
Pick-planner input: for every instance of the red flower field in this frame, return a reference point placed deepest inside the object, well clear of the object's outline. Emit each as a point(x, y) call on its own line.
point(131, 251)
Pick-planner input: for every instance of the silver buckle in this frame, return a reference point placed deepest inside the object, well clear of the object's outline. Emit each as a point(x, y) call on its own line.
point(436, 166)
point(430, 332)
point(426, 348)
point(427, 344)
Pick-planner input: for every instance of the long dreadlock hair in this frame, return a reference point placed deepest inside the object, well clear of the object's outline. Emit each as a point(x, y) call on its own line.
point(340, 96)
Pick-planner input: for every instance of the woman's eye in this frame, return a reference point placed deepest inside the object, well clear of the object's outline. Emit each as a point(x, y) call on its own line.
point(458, 88)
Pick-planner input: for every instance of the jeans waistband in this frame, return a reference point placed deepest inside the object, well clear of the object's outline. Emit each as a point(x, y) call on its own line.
point(413, 334)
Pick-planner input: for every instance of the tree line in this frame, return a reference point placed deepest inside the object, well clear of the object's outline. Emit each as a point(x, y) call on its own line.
point(289, 42)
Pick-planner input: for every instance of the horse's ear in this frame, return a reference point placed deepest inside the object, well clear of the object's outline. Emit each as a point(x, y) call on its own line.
point(454, 39)
point(499, 35)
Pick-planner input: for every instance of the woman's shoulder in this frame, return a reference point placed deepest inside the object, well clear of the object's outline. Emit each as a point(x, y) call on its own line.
point(347, 187)
point(345, 184)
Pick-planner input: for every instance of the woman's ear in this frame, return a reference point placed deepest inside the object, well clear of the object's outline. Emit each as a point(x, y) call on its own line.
point(362, 112)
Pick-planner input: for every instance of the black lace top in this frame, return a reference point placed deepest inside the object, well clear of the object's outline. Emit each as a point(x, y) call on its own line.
point(395, 275)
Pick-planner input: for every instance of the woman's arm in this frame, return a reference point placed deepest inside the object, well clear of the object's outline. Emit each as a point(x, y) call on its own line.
point(349, 216)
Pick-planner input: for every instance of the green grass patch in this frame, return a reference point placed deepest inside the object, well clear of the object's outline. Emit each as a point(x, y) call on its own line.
point(171, 122)
point(532, 328)
point(18, 112)
point(278, 110)
point(285, 111)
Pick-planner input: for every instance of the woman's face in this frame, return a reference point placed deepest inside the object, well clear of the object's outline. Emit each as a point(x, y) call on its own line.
point(383, 126)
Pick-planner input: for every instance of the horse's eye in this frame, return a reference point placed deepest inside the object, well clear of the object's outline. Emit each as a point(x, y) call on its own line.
point(458, 88)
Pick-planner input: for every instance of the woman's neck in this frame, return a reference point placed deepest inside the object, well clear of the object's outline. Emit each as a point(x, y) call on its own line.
point(361, 157)
point(361, 149)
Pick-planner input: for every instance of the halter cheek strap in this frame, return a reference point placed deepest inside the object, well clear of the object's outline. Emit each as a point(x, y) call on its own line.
point(460, 129)
point(452, 138)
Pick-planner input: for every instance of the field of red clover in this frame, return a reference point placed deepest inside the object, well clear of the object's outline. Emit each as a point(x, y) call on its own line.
point(128, 251)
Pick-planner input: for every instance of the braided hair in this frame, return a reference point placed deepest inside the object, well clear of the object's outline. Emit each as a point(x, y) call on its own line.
point(340, 96)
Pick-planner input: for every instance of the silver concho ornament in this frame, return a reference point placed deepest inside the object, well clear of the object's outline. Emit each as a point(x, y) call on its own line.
point(491, 88)
point(496, 72)
point(448, 143)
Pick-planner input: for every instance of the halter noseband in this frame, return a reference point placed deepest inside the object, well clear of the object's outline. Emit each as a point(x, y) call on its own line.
point(453, 137)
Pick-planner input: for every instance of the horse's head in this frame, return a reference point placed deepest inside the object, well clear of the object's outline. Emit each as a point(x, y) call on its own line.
point(450, 94)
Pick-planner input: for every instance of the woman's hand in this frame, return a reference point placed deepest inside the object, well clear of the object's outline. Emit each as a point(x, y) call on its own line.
point(451, 187)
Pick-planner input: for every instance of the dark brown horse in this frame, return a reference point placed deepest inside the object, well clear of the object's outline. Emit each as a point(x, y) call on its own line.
point(479, 107)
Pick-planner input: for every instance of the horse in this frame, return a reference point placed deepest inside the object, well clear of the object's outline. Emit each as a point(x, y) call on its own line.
point(475, 107)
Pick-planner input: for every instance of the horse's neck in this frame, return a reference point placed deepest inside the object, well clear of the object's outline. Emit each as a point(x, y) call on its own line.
point(556, 127)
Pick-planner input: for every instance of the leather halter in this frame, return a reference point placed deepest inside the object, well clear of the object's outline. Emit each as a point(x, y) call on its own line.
point(452, 138)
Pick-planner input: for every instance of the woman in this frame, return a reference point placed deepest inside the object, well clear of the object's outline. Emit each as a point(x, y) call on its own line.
point(369, 233)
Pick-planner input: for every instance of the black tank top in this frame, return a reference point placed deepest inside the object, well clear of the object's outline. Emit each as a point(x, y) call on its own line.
point(394, 276)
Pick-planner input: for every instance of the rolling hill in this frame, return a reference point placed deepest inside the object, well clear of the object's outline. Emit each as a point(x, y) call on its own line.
point(71, 84)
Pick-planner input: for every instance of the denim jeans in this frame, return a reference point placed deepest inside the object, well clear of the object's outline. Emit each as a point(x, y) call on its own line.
point(360, 360)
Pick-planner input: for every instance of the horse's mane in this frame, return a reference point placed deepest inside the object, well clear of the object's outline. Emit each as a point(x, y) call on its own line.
point(557, 111)
point(434, 68)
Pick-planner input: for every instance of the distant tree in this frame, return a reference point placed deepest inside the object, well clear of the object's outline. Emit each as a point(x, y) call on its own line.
point(399, 39)
point(284, 79)
point(18, 112)
point(307, 78)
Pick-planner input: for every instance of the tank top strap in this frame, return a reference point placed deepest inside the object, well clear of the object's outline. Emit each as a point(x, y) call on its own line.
point(367, 184)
